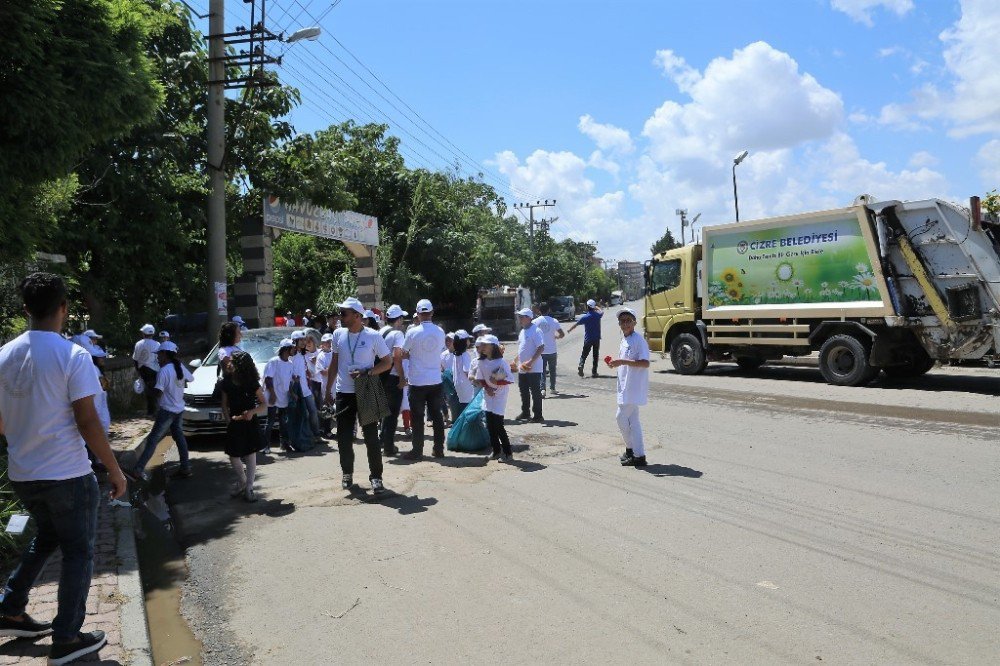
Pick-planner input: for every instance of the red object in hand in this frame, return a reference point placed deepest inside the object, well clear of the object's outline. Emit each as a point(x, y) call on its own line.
point(607, 359)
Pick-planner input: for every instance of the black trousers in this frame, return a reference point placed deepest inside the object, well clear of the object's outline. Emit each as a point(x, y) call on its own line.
point(429, 398)
point(530, 385)
point(387, 434)
point(498, 433)
point(587, 347)
point(148, 376)
point(347, 416)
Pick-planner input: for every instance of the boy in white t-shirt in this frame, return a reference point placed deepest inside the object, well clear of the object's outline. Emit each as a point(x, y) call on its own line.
point(170, 383)
point(633, 387)
point(278, 382)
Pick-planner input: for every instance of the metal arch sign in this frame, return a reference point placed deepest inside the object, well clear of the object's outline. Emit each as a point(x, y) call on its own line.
point(305, 218)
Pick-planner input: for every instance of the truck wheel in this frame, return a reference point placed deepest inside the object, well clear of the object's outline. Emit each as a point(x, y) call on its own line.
point(843, 360)
point(919, 365)
point(687, 354)
point(749, 363)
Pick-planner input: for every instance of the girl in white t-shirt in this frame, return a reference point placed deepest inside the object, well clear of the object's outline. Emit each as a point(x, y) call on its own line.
point(460, 362)
point(169, 388)
point(496, 377)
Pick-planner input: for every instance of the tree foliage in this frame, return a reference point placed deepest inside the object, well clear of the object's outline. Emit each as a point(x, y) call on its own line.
point(666, 242)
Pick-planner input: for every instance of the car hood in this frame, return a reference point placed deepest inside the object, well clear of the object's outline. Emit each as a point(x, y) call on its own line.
point(205, 378)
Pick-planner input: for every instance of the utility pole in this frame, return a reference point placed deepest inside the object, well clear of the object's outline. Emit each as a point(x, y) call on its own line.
point(543, 224)
point(216, 169)
point(683, 213)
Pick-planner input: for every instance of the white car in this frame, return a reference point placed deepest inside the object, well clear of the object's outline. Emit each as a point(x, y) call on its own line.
point(202, 401)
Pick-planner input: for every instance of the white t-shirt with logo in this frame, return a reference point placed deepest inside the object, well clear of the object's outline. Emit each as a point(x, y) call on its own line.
point(280, 373)
point(299, 370)
point(528, 341)
point(549, 327)
point(492, 371)
point(633, 383)
point(145, 353)
point(172, 398)
point(393, 340)
point(356, 351)
point(424, 342)
point(460, 365)
point(41, 375)
point(323, 359)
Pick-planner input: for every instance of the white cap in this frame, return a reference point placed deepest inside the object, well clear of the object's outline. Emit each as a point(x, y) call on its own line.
point(462, 334)
point(450, 336)
point(424, 305)
point(168, 347)
point(91, 333)
point(490, 340)
point(479, 328)
point(591, 303)
point(147, 329)
point(327, 337)
point(353, 304)
point(370, 315)
point(309, 311)
point(298, 335)
point(395, 311)
point(628, 311)
point(287, 342)
point(165, 334)
point(525, 312)
point(97, 352)
point(288, 313)
point(238, 320)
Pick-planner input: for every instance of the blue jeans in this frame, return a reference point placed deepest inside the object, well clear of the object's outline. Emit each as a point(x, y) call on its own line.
point(276, 414)
point(65, 514)
point(310, 402)
point(165, 422)
point(549, 368)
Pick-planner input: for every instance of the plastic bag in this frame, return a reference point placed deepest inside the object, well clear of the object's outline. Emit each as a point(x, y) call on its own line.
point(468, 432)
point(139, 387)
point(300, 436)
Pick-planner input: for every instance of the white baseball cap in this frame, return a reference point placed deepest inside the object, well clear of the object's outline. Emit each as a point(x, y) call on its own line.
point(308, 311)
point(238, 320)
point(353, 304)
point(462, 334)
point(165, 334)
point(451, 335)
point(628, 311)
point(525, 312)
point(327, 337)
point(287, 342)
point(490, 340)
point(424, 305)
point(591, 303)
point(395, 311)
point(168, 347)
point(298, 335)
point(147, 329)
point(479, 328)
point(91, 333)
point(370, 315)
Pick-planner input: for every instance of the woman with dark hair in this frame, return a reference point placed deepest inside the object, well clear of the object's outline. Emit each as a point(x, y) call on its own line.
point(169, 389)
point(230, 337)
point(242, 401)
point(460, 363)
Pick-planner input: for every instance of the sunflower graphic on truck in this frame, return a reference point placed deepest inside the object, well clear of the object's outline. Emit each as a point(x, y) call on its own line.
point(819, 263)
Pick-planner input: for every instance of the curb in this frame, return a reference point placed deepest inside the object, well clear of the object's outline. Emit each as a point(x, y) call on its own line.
point(132, 614)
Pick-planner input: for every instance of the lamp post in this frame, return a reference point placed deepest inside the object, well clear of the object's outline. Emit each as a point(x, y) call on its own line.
point(683, 213)
point(736, 200)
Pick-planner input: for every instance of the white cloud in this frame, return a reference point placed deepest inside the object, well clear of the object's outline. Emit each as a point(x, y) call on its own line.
point(896, 117)
point(599, 161)
point(849, 172)
point(988, 161)
point(861, 10)
point(889, 51)
point(607, 137)
point(677, 69)
point(922, 158)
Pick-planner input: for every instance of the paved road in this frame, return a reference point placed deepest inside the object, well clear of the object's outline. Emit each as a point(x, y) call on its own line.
point(781, 521)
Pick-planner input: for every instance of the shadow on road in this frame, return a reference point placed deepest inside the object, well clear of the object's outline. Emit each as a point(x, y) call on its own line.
point(565, 396)
point(671, 470)
point(556, 423)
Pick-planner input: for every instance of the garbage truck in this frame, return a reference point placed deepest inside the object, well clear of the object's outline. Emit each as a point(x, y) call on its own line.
point(887, 287)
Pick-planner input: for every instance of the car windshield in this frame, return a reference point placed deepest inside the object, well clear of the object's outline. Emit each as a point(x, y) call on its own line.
point(563, 301)
point(261, 344)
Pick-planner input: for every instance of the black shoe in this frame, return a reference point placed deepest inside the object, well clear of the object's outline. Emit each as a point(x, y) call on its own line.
point(63, 653)
point(495, 455)
point(523, 416)
point(637, 461)
point(625, 456)
point(438, 453)
point(413, 455)
point(594, 375)
point(390, 453)
point(347, 481)
point(182, 473)
point(579, 371)
point(26, 628)
point(537, 419)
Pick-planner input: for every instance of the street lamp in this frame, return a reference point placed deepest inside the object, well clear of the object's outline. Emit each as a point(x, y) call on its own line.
point(311, 34)
point(693, 222)
point(736, 200)
point(683, 213)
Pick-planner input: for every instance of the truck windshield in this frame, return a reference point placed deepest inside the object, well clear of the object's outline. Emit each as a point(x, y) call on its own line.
point(666, 275)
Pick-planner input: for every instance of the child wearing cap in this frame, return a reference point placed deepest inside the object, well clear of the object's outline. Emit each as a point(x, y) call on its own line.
point(460, 363)
point(169, 388)
point(495, 376)
point(322, 366)
point(633, 386)
point(278, 381)
point(144, 358)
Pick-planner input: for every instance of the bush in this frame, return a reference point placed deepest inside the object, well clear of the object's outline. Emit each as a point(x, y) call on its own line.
point(11, 545)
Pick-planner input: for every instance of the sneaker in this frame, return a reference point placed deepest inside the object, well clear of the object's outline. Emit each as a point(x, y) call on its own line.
point(594, 375)
point(389, 453)
point(182, 473)
point(537, 419)
point(137, 473)
point(63, 653)
point(438, 453)
point(377, 486)
point(579, 371)
point(347, 481)
point(238, 490)
point(495, 456)
point(635, 461)
point(523, 416)
point(250, 497)
point(413, 455)
point(26, 628)
point(625, 456)
point(266, 451)
point(543, 393)
point(554, 391)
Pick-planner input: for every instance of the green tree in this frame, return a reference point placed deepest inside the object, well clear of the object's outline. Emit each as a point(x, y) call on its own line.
point(665, 243)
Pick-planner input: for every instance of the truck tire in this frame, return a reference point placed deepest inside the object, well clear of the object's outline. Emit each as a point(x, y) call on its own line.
point(919, 365)
point(749, 363)
point(687, 354)
point(843, 360)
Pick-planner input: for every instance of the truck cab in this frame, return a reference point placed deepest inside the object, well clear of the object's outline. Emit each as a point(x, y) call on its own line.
point(671, 301)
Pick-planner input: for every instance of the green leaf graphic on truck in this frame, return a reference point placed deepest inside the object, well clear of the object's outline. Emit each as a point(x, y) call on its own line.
point(824, 262)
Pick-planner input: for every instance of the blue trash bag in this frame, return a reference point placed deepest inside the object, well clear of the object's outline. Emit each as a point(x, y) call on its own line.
point(468, 432)
point(300, 435)
point(450, 393)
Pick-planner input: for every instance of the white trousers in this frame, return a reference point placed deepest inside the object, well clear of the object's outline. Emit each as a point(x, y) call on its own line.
point(631, 429)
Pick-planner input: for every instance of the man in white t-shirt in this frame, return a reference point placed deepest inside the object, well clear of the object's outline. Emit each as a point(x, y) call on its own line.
point(144, 359)
point(278, 381)
point(530, 347)
point(423, 344)
point(551, 331)
point(394, 381)
point(355, 348)
point(47, 413)
point(633, 387)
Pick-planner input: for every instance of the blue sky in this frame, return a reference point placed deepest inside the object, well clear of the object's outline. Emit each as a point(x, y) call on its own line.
point(625, 111)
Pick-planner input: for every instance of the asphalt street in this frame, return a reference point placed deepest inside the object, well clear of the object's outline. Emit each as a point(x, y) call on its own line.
point(780, 520)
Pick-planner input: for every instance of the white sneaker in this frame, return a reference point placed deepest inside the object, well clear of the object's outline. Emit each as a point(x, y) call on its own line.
point(347, 481)
point(377, 486)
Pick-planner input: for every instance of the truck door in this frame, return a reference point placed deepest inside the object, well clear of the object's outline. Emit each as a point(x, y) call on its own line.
point(664, 298)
